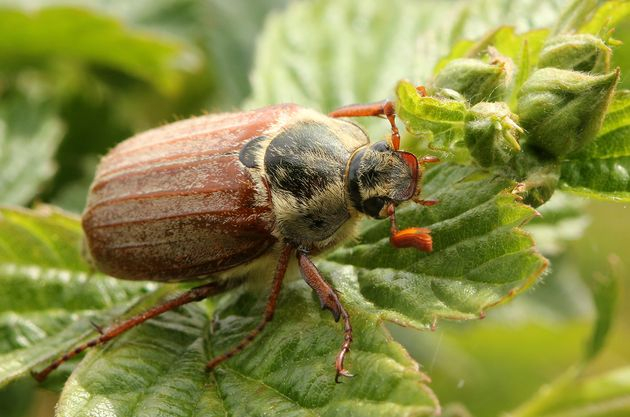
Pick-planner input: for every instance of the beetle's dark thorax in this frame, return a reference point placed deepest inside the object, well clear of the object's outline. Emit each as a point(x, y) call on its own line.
point(305, 165)
point(304, 160)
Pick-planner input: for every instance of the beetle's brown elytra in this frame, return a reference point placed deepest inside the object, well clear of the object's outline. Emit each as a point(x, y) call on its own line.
point(215, 198)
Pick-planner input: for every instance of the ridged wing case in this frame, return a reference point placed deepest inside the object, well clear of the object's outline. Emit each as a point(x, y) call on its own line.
point(175, 203)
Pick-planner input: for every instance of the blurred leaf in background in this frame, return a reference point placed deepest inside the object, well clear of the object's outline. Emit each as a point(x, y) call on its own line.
point(109, 69)
point(30, 134)
point(76, 77)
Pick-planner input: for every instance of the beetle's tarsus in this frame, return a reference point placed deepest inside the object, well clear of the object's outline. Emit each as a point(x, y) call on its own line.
point(427, 203)
point(428, 159)
point(344, 373)
point(345, 348)
point(328, 297)
point(413, 237)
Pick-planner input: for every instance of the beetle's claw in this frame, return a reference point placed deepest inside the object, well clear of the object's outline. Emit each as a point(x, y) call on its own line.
point(96, 327)
point(336, 313)
point(38, 376)
point(342, 372)
point(345, 348)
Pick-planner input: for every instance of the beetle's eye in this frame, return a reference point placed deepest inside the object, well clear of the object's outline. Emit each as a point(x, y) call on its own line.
point(373, 206)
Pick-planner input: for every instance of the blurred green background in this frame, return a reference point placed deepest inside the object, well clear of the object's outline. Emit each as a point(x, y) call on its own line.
point(78, 77)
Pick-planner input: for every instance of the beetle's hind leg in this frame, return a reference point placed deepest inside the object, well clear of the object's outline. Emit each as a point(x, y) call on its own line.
point(270, 309)
point(328, 299)
point(192, 295)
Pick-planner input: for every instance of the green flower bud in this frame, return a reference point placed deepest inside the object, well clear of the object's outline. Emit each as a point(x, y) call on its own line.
point(586, 53)
point(474, 79)
point(491, 133)
point(561, 110)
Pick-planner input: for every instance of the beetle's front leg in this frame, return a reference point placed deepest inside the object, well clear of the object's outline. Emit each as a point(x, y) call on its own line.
point(381, 108)
point(328, 299)
point(413, 237)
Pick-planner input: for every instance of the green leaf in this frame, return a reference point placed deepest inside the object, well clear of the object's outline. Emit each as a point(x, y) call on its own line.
point(344, 35)
point(231, 42)
point(480, 255)
point(321, 53)
point(440, 121)
point(562, 220)
point(605, 290)
point(30, 133)
point(49, 294)
point(224, 31)
point(576, 14)
point(602, 169)
point(17, 399)
point(48, 34)
point(159, 367)
point(609, 15)
point(604, 395)
point(524, 15)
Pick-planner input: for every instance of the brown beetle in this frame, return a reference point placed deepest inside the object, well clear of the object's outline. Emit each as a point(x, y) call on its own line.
point(216, 197)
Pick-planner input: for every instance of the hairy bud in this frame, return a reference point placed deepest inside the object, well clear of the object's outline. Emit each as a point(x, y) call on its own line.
point(579, 52)
point(561, 110)
point(538, 177)
point(491, 133)
point(474, 79)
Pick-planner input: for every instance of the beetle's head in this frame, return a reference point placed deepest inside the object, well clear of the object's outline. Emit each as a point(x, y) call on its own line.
point(378, 176)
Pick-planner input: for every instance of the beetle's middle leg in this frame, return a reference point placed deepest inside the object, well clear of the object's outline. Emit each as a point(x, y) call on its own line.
point(329, 300)
point(270, 309)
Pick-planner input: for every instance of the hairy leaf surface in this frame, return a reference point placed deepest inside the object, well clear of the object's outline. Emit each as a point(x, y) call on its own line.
point(49, 297)
point(602, 170)
point(30, 133)
point(159, 368)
